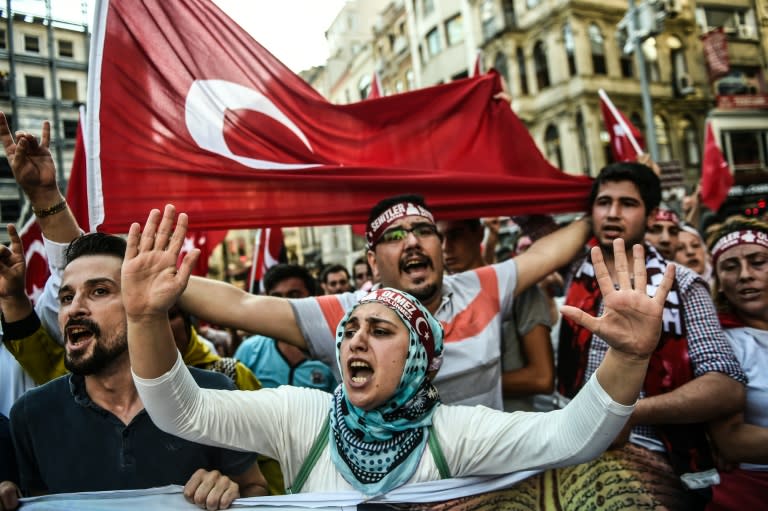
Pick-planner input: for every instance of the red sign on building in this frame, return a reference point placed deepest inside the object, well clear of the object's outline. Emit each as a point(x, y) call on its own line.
point(715, 44)
point(745, 101)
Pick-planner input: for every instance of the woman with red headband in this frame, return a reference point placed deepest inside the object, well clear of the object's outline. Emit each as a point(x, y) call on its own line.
point(384, 425)
point(739, 250)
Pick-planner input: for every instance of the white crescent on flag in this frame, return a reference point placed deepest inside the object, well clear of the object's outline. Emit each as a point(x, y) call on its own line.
point(206, 104)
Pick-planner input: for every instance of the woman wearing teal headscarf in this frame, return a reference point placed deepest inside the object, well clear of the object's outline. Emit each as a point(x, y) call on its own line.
point(385, 424)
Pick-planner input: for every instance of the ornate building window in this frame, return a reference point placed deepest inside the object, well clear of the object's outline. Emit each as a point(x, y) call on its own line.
point(570, 48)
point(681, 81)
point(662, 138)
point(597, 47)
point(540, 64)
point(454, 30)
point(500, 64)
point(552, 146)
point(581, 133)
point(690, 137)
point(522, 71)
point(626, 61)
point(433, 42)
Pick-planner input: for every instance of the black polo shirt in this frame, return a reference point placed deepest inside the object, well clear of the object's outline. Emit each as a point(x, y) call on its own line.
point(67, 443)
point(7, 456)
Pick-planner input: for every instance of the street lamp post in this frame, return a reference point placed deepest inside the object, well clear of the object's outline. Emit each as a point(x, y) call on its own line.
point(638, 34)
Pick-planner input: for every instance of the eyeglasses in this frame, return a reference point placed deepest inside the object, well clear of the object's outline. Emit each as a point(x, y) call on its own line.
point(400, 233)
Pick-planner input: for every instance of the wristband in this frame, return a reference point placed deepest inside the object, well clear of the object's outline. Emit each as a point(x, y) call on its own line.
point(52, 210)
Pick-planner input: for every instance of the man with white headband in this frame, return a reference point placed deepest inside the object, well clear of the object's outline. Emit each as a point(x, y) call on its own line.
point(405, 253)
point(663, 231)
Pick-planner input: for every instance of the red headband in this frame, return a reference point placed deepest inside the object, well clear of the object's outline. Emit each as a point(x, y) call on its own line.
point(735, 238)
point(374, 230)
point(667, 215)
point(414, 315)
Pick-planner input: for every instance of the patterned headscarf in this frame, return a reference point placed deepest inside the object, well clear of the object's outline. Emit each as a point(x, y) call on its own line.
point(378, 450)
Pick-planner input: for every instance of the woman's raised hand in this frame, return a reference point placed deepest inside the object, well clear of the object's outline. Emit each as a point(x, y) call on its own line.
point(151, 282)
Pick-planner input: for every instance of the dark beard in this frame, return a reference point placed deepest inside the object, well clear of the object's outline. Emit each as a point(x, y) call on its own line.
point(425, 294)
point(102, 357)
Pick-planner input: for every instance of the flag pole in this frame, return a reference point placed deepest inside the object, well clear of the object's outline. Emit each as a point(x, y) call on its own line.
point(620, 119)
point(255, 261)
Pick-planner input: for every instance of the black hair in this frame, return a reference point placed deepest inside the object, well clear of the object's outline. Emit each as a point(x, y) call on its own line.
point(646, 180)
point(95, 243)
point(279, 272)
point(332, 268)
point(384, 204)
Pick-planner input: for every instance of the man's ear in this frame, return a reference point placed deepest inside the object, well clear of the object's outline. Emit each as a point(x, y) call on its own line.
point(371, 255)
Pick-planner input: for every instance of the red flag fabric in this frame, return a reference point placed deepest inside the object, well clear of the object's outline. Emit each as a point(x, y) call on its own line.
point(34, 255)
point(77, 188)
point(715, 44)
point(229, 135)
point(267, 252)
point(206, 241)
point(716, 177)
point(376, 89)
point(621, 132)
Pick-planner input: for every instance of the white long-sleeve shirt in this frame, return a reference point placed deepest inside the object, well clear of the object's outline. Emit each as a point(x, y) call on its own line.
point(283, 423)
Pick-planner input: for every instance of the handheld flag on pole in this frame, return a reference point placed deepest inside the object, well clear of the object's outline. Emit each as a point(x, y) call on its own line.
point(716, 177)
point(625, 137)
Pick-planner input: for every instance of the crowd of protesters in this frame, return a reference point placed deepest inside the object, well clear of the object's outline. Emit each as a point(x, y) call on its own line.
point(650, 392)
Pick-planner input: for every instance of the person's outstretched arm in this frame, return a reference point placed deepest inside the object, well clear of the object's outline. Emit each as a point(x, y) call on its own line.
point(223, 304)
point(630, 324)
point(739, 442)
point(551, 252)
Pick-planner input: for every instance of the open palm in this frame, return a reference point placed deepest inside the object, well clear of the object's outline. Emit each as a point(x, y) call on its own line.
point(631, 321)
point(151, 282)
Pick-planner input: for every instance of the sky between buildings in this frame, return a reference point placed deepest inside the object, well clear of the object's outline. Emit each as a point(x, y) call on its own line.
point(292, 30)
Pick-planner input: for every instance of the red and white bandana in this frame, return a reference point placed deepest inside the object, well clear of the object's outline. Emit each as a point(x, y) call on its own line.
point(666, 215)
point(381, 223)
point(735, 238)
point(425, 328)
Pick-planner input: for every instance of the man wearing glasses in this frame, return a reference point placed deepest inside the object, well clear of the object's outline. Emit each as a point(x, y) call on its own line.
point(404, 250)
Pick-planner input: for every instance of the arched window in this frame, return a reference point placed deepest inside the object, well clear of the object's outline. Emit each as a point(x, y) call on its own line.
point(691, 148)
point(581, 133)
point(681, 81)
point(597, 47)
point(626, 60)
point(488, 18)
point(662, 138)
point(570, 48)
point(540, 64)
point(522, 71)
point(552, 146)
point(500, 64)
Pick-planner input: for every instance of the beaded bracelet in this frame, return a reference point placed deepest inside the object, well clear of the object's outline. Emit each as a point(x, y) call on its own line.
point(56, 208)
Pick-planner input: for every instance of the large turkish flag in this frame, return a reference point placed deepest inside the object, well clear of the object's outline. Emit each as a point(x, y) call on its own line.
point(186, 108)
